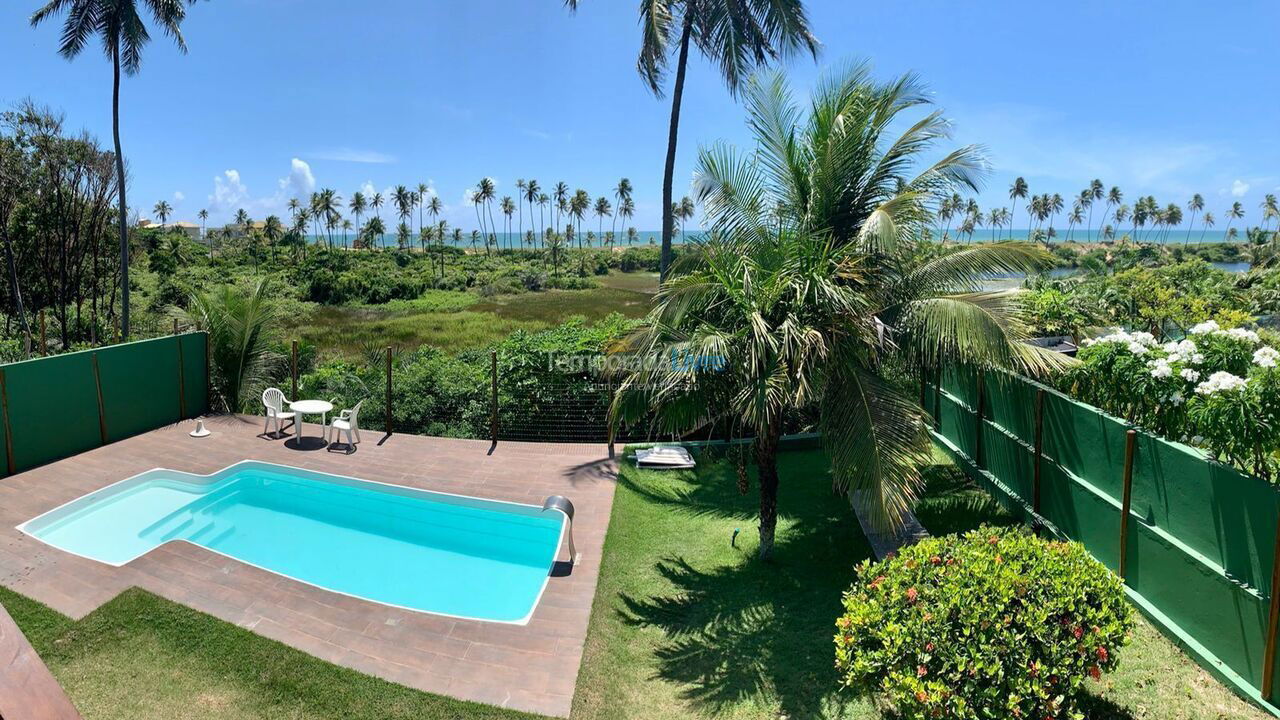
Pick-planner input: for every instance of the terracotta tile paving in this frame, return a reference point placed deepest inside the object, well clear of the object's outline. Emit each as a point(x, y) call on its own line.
point(532, 667)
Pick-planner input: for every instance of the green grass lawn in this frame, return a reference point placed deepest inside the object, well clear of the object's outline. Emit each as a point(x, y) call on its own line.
point(141, 657)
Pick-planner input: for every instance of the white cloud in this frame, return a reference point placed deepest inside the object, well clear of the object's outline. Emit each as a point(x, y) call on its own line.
point(178, 196)
point(1239, 188)
point(228, 192)
point(346, 154)
point(300, 183)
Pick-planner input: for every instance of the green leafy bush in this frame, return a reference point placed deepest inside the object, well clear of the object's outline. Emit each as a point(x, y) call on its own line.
point(989, 624)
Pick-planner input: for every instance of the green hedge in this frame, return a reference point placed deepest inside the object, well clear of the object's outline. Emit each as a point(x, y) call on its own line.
point(58, 406)
point(1201, 535)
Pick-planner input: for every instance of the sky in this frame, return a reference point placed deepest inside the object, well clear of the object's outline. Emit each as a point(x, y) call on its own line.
point(277, 98)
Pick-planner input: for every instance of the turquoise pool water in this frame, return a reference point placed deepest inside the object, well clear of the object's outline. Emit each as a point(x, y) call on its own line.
point(425, 551)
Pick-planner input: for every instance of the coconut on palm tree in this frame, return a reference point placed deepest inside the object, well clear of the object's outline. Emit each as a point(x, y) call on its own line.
point(810, 287)
point(736, 36)
point(119, 26)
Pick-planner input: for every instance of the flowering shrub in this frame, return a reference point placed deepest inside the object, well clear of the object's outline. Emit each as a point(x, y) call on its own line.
point(1217, 389)
point(989, 624)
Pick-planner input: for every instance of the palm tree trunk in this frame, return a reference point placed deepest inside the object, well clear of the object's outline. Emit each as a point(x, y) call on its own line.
point(668, 175)
point(120, 179)
point(766, 447)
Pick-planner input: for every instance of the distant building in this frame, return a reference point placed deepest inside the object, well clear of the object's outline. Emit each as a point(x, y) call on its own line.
point(191, 230)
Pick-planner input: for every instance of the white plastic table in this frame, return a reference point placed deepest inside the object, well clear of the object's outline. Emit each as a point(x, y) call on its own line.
point(311, 407)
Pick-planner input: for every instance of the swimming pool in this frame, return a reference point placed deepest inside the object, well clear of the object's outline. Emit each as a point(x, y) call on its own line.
point(420, 550)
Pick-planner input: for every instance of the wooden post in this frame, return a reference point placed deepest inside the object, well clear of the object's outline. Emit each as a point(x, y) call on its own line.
point(44, 346)
point(1273, 619)
point(175, 326)
point(1035, 474)
point(182, 381)
point(388, 389)
point(8, 431)
point(493, 396)
point(981, 403)
point(1129, 439)
point(293, 370)
point(102, 410)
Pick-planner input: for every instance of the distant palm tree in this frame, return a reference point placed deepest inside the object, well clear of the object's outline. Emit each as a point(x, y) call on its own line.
point(627, 210)
point(1121, 214)
point(1205, 224)
point(1076, 217)
point(1017, 190)
point(434, 207)
point(508, 207)
point(560, 195)
point(1054, 206)
point(736, 36)
point(1114, 197)
point(621, 193)
point(531, 195)
point(403, 234)
point(1195, 205)
point(1095, 194)
point(420, 195)
point(204, 215)
point(272, 230)
point(373, 232)
point(579, 204)
point(486, 192)
point(118, 24)
point(685, 211)
point(162, 211)
point(402, 198)
point(602, 209)
point(521, 186)
point(1235, 213)
point(632, 235)
point(1270, 210)
point(544, 202)
point(346, 229)
point(358, 206)
point(242, 219)
point(376, 201)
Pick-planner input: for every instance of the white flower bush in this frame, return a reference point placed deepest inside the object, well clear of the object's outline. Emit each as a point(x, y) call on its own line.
point(1219, 387)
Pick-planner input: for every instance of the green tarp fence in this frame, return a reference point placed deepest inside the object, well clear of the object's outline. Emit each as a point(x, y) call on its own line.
point(1201, 536)
point(56, 407)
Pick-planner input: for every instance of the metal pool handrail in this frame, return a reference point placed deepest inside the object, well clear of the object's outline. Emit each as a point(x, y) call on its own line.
point(562, 504)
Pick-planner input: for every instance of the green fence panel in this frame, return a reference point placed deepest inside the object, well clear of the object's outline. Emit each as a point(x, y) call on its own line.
point(962, 383)
point(52, 408)
point(1228, 517)
point(1010, 460)
point(1081, 513)
point(195, 367)
point(1010, 402)
point(1086, 442)
point(960, 425)
point(1230, 621)
point(139, 386)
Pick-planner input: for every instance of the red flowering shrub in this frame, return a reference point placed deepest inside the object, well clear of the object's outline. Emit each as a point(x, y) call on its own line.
point(989, 624)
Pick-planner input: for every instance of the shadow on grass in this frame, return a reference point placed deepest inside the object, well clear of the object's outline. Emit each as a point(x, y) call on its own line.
point(745, 629)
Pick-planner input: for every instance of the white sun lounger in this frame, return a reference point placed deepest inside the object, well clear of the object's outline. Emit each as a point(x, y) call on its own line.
point(664, 457)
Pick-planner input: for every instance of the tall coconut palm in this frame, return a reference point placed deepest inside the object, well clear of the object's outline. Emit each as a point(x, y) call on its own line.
point(579, 204)
point(685, 211)
point(1235, 213)
point(764, 323)
point(632, 235)
point(1076, 217)
point(1096, 193)
point(486, 191)
point(1017, 191)
point(1205, 223)
point(163, 210)
point(532, 190)
point(1114, 197)
point(402, 198)
point(1054, 207)
point(420, 198)
point(736, 36)
point(621, 193)
point(358, 207)
point(1121, 214)
point(346, 230)
point(602, 209)
point(544, 202)
point(507, 207)
point(272, 231)
point(204, 215)
point(376, 201)
point(560, 196)
point(1084, 201)
point(1194, 205)
point(521, 186)
point(119, 26)
point(1270, 210)
point(434, 207)
point(627, 209)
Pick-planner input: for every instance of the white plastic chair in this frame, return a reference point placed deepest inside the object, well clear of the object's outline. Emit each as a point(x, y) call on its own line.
point(347, 421)
point(273, 399)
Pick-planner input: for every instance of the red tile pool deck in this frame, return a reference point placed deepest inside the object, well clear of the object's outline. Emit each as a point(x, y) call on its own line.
point(532, 667)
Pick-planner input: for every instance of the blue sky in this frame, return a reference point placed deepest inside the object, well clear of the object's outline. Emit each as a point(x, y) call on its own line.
point(278, 97)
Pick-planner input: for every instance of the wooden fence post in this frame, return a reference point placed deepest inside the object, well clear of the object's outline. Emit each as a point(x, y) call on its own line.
point(1273, 619)
point(1129, 439)
point(293, 370)
point(175, 326)
point(8, 429)
point(388, 390)
point(981, 408)
point(493, 396)
point(44, 345)
point(102, 411)
point(1035, 474)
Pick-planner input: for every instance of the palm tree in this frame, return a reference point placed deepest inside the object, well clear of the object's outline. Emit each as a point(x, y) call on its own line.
point(162, 211)
point(1114, 197)
point(507, 206)
point(240, 329)
point(622, 194)
point(1205, 224)
point(1076, 217)
point(118, 24)
point(1121, 214)
point(1095, 194)
point(272, 230)
point(544, 202)
point(1270, 210)
point(373, 231)
point(684, 211)
point(531, 193)
point(521, 187)
point(420, 197)
point(376, 201)
point(402, 198)
point(358, 206)
point(1235, 213)
point(1195, 205)
point(736, 36)
point(242, 219)
point(204, 215)
point(560, 196)
point(1053, 207)
point(632, 235)
point(434, 207)
point(579, 204)
point(346, 229)
point(602, 209)
point(755, 324)
point(1017, 190)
